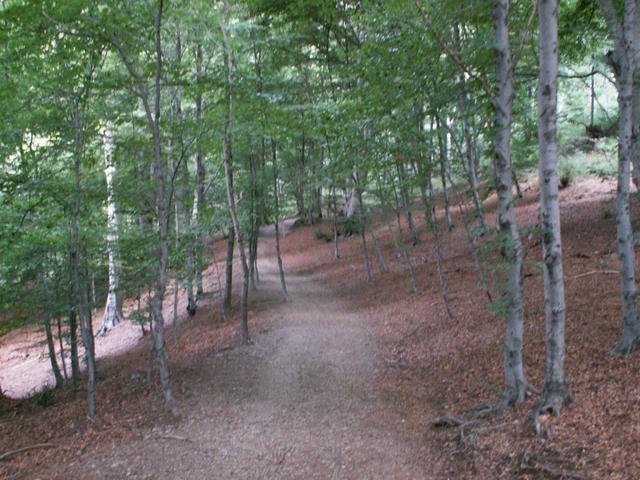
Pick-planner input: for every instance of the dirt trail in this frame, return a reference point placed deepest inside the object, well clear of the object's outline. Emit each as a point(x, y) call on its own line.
point(303, 401)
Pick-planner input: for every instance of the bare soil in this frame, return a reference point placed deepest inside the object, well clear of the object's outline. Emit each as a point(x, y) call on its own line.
point(346, 379)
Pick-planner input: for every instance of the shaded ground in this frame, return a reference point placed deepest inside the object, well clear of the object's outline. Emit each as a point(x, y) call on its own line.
point(346, 379)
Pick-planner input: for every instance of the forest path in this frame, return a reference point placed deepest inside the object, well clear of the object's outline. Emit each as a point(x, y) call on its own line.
point(303, 401)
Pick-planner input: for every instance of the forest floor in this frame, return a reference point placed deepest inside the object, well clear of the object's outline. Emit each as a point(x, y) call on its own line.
point(347, 378)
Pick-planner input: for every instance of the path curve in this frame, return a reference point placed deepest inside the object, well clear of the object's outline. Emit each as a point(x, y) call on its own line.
point(302, 402)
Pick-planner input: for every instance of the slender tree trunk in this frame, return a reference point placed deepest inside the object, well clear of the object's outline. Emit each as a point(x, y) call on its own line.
point(228, 169)
point(376, 245)
point(51, 348)
point(406, 201)
point(199, 202)
point(274, 157)
point(78, 285)
point(635, 133)
point(555, 389)
point(63, 362)
point(336, 247)
point(228, 284)
point(442, 142)
point(73, 344)
point(444, 288)
point(623, 31)
point(515, 379)
point(363, 227)
point(158, 327)
point(113, 308)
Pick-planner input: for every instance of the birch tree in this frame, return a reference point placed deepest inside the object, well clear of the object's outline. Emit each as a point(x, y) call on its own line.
point(113, 308)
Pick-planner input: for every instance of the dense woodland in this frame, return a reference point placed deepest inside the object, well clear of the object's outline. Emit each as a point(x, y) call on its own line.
point(134, 134)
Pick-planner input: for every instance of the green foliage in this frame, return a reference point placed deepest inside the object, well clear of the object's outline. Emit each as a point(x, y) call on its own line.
point(320, 234)
point(44, 397)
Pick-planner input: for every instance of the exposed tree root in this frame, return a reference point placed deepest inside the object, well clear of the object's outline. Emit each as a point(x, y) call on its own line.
point(626, 346)
point(11, 453)
point(512, 398)
point(528, 464)
point(554, 399)
point(461, 423)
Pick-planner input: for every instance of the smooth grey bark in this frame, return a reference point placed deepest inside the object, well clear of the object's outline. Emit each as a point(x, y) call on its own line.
point(46, 322)
point(153, 119)
point(78, 284)
point(444, 160)
point(227, 159)
point(406, 201)
point(444, 288)
point(470, 160)
point(153, 114)
point(228, 284)
point(199, 199)
point(334, 222)
point(635, 132)
point(555, 394)
point(363, 235)
point(73, 342)
point(515, 380)
point(623, 59)
point(113, 308)
point(274, 158)
point(382, 265)
point(179, 181)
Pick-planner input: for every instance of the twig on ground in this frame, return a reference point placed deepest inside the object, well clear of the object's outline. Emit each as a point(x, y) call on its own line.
point(279, 459)
point(534, 466)
point(11, 453)
point(595, 272)
point(168, 437)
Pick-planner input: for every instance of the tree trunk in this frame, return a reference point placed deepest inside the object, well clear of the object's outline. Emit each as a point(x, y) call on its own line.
point(515, 380)
point(363, 227)
point(113, 308)
point(228, 284)
point(274, 157)
point(623, 31)
point(78, 285)
point(555, 389)
point(199, 202)
point(442, 143)
point(73, 343)
point(51, 348)
point(63, 362)
point(635, 133)
point(444, 288)
point(227, 159)
point(406, 201)
point(163, 224)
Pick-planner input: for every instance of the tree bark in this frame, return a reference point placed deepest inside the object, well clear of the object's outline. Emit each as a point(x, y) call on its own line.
point(163, 224)
point(623, 32)
point(199, 202)
point(406, 201)
point(515, 380)
point(555, 388)
point(228, 284)
point(444, 160)
point(227, 159)
point(274, 156)
point(113, 308)
point(78, 285)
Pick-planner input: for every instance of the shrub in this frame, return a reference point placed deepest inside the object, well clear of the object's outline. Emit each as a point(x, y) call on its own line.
point(321, 235)
point(566, 176)
point(44, 397)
